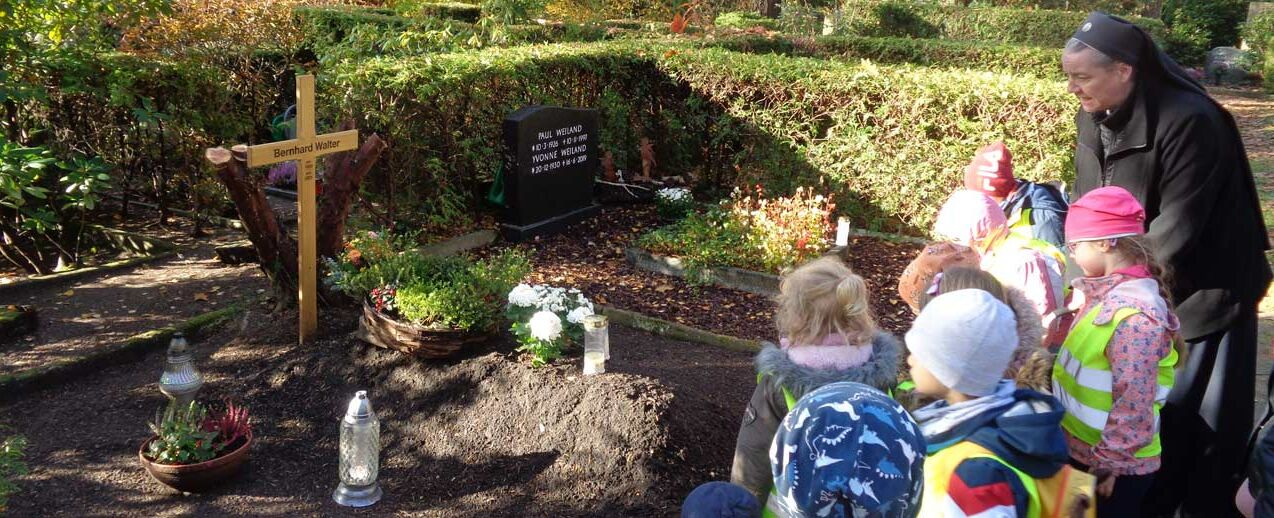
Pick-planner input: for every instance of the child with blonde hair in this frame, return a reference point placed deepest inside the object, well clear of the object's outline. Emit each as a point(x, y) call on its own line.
point(827, 335)
point(1116, 367)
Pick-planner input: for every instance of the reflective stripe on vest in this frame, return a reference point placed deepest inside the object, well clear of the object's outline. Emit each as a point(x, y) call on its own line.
point(1020, 223)
point(941, 465)
point(1082, 380)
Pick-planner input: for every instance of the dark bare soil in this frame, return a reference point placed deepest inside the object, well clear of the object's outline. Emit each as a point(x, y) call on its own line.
point(482, 435)
point(590, 256)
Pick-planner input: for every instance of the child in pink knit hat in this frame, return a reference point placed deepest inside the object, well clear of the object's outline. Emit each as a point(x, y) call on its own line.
point(1115, 369)
point(973, 219)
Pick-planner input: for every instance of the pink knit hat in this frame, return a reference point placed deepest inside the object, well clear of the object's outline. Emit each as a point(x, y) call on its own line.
point(968, 216)
point(1105, 213)
point(991, 171)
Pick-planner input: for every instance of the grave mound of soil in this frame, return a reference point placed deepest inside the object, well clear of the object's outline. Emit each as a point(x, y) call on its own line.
point(620, 444)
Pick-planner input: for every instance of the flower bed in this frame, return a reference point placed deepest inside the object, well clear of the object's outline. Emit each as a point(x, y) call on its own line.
point(748, 231)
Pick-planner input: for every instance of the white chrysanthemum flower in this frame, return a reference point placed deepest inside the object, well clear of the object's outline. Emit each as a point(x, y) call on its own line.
point(673, 194)
point(576, 316)
point(546, 326)
point(523, 296)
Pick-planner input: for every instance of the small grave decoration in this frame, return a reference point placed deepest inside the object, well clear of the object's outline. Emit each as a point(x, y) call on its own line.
point(673, 203)
point(547, 319)
point(192, 448)
point(423, 305)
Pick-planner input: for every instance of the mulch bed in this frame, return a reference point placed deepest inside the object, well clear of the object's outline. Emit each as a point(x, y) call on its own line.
point(482, 435)
point(590, 256)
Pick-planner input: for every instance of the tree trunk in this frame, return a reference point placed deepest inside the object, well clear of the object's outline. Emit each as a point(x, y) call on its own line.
point(345, 172)
point(274, 245)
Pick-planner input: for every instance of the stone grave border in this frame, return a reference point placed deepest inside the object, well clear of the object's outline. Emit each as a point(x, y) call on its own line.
point(131, 349)
point(153, 248)
point(677, 331)
point(215, 220)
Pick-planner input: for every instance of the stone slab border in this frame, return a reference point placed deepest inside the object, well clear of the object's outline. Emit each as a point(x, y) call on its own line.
point(132, 349)
point(725, 276)
point(215, 220)
point(677, 331)
point(473, 240)
point(155, 249)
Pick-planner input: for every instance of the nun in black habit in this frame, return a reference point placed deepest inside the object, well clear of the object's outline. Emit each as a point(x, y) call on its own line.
point(1147, 126)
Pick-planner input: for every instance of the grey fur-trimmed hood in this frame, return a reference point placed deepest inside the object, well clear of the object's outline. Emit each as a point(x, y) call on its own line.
point(1030, 327)
point(881, 371)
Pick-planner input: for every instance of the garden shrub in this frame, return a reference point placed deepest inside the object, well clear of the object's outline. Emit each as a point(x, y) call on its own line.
point(1119, 7)
point(468, 13)
point(745, 20)
point(750, 231)
point(1258, 31)
point(1033, 27)
point(888, 141)
point(949, 54)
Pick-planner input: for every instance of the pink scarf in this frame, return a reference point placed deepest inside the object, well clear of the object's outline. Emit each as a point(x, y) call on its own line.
point(833, 353)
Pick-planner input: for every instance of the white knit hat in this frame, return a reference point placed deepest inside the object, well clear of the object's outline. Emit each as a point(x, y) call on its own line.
point(966, 339)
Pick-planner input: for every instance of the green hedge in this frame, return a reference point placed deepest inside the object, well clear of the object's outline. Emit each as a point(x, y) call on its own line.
point(745, 20)
point(1034, 27)
point(468, 13)
point(947, 54)
point(888, 141)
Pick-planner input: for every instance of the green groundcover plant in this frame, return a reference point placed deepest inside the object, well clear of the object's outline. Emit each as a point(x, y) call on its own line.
point(439, 292)
point(11, 466)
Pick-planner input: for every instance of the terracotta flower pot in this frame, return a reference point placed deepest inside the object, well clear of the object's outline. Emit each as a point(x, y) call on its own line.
point(193, 478)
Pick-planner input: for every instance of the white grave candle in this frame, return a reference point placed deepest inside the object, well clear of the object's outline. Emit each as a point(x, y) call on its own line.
point(842, 231)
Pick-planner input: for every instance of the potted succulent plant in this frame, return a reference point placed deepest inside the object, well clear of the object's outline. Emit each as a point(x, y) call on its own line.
point(193, 449)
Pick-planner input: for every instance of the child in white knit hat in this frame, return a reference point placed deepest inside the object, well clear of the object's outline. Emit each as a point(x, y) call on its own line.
point(988, 441)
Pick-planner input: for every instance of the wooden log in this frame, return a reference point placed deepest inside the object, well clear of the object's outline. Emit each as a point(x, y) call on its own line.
point(344, 176)
point(276, 249)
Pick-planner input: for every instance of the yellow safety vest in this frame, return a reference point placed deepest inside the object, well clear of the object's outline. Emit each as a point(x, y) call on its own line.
point(1052, 497)
point(1082, 380)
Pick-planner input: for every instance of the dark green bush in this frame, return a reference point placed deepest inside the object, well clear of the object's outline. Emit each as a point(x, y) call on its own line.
point(949, 54)
point(745, 20)
point(888, 141)
point(1258, 31)
point(459, 11)
point(1034, 27)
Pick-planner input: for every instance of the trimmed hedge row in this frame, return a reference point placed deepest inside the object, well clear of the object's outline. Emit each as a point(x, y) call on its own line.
point(1033, 27)
point(468, 13)
point(745, 20)
point(947, 54)
point(888, 141)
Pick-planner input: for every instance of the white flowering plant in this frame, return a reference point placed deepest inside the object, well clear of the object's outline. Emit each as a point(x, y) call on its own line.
point(547, 319)
point(673, 203)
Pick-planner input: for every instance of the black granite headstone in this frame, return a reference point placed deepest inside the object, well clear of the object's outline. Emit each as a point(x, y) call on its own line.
point(551, 157)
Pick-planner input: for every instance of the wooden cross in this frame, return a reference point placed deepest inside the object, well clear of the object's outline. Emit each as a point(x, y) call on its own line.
point(304, 149)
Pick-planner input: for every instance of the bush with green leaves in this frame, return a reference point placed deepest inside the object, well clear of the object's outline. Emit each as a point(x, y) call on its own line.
point(1197, 26)
point(887, 141)
point(1258, 31)
point(1033, 27)
point(44, 205)
point(745, 20)
point(937, 53)
point(11, 466)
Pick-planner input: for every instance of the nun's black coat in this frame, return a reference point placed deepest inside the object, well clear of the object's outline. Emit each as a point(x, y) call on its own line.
point(1185, 163)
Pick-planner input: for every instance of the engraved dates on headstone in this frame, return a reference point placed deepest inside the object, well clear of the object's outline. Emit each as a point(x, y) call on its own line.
point(551, 157)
